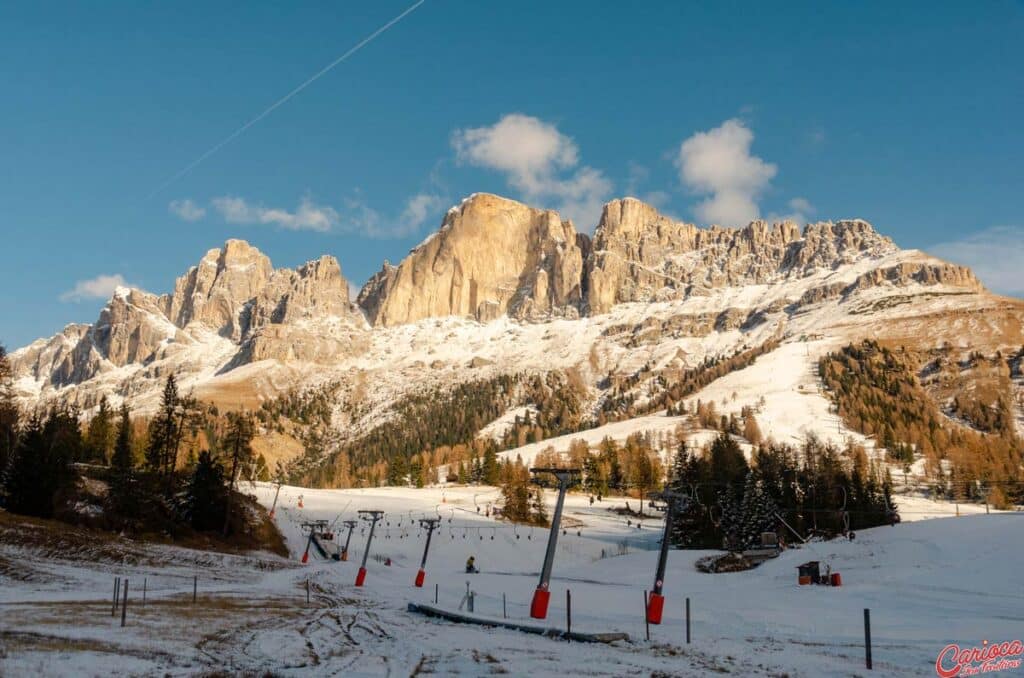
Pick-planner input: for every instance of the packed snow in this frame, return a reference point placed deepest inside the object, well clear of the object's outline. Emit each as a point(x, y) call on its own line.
point(927, 583)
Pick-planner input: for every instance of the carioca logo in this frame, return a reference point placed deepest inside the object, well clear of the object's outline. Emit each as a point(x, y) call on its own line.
point(957, 661)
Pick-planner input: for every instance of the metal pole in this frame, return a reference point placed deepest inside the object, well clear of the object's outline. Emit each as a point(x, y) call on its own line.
point(117, 591)
point(430, 525)
point(539, 605)
point(351, 528)
point(309, 542)
point(369, 540)
point(124, 604)
point(373, 517)
point(568, 615)
point(659, 577)
point(647, 624)
point(867, 638)
point(274, 505)
point(687, 621)
point(144, 581)
point(504, 613)
point(435, 594)
point(656, 601)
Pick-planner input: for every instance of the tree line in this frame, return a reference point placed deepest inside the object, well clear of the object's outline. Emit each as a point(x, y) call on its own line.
point(176, 471)
point(877, 392)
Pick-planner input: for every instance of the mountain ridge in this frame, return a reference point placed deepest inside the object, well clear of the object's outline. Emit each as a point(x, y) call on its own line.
point(502, 287)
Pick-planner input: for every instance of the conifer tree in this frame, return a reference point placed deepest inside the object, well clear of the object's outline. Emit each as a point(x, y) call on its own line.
point(731, 522)
point(238, 448)
point(10, 413)
point(205, 496)
point(398, 472)
point(122, 491)
point(758, 510)
point(40, 469)
point(490, 466)
point(540, 512)
point(99, 436)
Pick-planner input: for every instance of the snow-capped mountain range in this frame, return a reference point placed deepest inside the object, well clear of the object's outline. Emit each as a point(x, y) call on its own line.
point(504, 287)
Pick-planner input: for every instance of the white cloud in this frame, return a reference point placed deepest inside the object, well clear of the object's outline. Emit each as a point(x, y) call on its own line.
point(994, 254)
point(718, 162)
point(418, 209)
point(308, 216)
point(800, 211)
point(539, 161)
point(100, 287)
point(356, 216)
point(186, 209)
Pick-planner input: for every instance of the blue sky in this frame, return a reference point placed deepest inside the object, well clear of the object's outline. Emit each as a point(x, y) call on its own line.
point(905, 114)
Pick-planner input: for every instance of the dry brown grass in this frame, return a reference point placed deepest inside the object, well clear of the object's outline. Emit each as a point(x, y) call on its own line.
point(277, 447)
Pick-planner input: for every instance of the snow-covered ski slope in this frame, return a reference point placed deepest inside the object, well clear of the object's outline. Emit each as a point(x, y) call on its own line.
point(928, 583)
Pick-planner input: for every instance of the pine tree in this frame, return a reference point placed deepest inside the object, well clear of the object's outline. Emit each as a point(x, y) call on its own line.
point(178, 416)
point(758, 511)
point(490, 466)
point(23, 480)
point(10, 414)
point(205, 496)
point(40, 469)
point(731, 522)
point(398, 472)
point(540, 512)
point(238, 447)
point(416, 471)
point(99, 436)
point(515, 493)
point(122, 490)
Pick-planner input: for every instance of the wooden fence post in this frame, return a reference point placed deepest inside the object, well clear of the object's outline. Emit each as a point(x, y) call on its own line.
point(124, 603)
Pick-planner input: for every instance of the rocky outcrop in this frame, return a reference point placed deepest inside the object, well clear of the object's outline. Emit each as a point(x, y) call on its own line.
point(641, 255)
point(316, 289)
point(216, 292)
point(131, 328)
point(234, 292)
point(491, 257)
point(44, 357)
point(920, 272)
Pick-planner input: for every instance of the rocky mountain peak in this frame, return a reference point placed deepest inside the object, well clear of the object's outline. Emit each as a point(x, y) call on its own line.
point(642, 255)
point(491, 256)
point(216, 290)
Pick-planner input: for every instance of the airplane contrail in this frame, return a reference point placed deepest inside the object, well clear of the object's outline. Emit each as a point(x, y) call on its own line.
point(234, 135)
